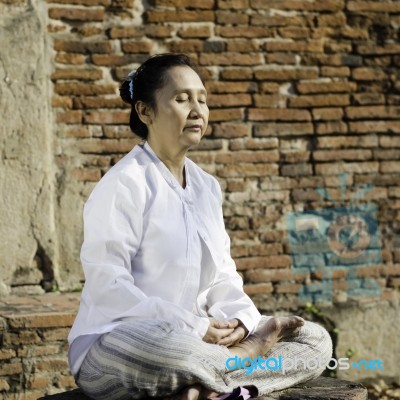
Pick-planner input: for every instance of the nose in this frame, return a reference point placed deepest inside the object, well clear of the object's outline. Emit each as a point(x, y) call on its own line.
point(196, 111)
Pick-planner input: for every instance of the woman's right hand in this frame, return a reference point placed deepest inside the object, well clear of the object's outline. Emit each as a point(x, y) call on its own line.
point(219, 330)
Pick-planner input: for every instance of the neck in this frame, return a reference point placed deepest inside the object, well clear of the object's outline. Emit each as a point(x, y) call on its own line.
point(174, 160)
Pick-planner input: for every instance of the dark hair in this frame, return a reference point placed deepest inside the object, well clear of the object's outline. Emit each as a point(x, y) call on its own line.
point(142, 84)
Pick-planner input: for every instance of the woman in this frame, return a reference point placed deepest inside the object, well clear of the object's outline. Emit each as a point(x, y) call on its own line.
point(163, 307)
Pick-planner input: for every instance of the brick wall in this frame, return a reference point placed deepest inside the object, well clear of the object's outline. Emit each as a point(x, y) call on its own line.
point(33, 345)
point(300, 92)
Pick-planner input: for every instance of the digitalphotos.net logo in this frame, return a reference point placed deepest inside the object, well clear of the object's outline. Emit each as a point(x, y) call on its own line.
point(288, 363)
point(342, 237)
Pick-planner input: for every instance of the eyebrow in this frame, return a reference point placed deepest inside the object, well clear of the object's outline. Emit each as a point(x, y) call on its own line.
point(202, 91)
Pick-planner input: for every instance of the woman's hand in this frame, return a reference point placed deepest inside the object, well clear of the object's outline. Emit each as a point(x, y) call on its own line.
point(226, 333)
point(238, 334)
point(218, 330)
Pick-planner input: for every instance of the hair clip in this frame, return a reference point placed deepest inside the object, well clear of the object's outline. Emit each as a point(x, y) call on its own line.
point(131, 88)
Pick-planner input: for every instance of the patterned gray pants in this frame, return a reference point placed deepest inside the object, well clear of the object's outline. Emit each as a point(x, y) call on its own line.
point(141, 359)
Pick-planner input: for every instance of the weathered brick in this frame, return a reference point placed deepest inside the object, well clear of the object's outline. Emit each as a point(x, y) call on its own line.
point(337, 127)
point(6, 354)
point(231, 18)
point(106, 146)
point(86, 174)
point(230, 87)
point(61, 102)
point(383, 112)
point(374, 49)
point(277, 20)
point(40, 320)
point(245, 170)
point(137, 47)
point(281, 58)
point(70, 58)
point(285, 74)
point(258, 288)
point(91, 74)
point(4, 386)
point(326, 5)
point(112, 60)
point(275, 261)
point(297, 47)
point(204, 31)
point(248, 157)
point(79, 132)
point(253, 144)
point(243, 31)
point(389, 141)
point(159, 31)
point(282, 129)
point(233, 4)
point(296, 170)
point(70, 117)
point(347, 141)
point(230, 59)
point(294, 32)
point(82, 46)
point(122, 32)
point(326, 87)
point(77, 14)
point(268, 101)
point(229, 100)
point(243, 45)
point(226, 114)
point(368, 98)
point(52, 364)
point(327, 114)
point(99, 102)
point(335, 72)
point(375, 127)
point(179, 16)
point(231, 130)
point(374, 6)
point(353, 154)
point(338, 168)
point(106, 117)
point(327, 100)
point(38, 351)
point(13, 368)
point(390, 167)
point(81, 2)
point(201, 4)
point(39, 381)
point(368, 74)
point(335, 20)
point(89, 30)
point(272, 275)
point(236, 73)
point(274, 114)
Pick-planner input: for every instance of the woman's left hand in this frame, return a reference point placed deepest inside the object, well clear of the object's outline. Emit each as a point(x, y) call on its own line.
point(236, 336)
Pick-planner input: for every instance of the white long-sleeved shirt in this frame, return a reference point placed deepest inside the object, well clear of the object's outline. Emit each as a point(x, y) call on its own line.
point(155, 250)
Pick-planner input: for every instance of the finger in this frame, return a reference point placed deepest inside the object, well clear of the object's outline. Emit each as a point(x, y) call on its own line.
point(220, 324)
point(236, 336)
point(233, 323)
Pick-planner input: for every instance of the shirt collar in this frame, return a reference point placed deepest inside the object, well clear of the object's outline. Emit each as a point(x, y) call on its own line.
point(165, 172)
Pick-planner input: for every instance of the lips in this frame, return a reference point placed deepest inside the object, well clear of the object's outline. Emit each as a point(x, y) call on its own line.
point(194, 127)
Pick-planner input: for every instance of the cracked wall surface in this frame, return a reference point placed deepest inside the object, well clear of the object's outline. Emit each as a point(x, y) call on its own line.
point(27, 224)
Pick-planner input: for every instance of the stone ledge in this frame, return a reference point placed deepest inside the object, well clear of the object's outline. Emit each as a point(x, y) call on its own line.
point(318, 389)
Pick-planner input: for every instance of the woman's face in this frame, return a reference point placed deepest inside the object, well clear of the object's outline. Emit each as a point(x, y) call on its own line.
point(181, 116)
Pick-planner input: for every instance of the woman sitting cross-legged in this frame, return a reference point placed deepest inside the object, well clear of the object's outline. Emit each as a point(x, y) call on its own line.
point(163, 308)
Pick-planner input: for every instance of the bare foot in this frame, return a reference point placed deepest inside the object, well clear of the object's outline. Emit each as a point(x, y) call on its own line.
point(266, 336)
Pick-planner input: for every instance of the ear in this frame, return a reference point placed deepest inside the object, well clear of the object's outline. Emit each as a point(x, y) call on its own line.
point(144, 112)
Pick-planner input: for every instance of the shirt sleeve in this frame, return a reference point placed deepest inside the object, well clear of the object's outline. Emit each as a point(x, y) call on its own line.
point(226, 298)
point(113, 226)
